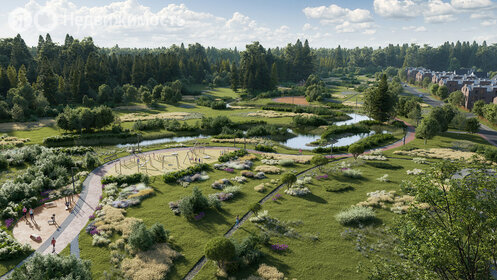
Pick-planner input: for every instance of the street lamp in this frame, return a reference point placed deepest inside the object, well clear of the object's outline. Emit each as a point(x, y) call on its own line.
point(73, 185)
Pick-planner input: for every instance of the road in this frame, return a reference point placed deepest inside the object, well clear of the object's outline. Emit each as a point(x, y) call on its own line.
point(486, 132)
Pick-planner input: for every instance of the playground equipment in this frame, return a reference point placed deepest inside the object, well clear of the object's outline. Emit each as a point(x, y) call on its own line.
point(194, 154)
point(163, 159)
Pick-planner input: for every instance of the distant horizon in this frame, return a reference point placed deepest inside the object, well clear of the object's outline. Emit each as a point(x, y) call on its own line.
point(229, 24)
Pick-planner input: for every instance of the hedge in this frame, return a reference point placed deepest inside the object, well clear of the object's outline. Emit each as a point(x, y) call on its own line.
point(126, 179)
point(172, 177)
point(232, 155)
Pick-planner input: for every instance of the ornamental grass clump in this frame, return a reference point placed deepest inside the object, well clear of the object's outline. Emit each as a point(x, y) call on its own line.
point(352, 173)
point(356, 215)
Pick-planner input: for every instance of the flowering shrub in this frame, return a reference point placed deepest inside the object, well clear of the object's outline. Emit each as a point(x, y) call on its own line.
point(92, 217)
point(270, 272)
point(279, 247)
point(383, 178)
point(229, 170)
point(9, 222)
point(298, 191)
point(415, 171)
point(352, 173)
point(356, 215)
point(373, 157)
point(276, 196)
point(322, 177)
point(420, 160)
point(11, 248)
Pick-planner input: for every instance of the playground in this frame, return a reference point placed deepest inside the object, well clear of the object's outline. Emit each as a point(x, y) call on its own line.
point(158, 163)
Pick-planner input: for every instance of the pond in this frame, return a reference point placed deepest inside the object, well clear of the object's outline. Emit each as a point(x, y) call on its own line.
point(301, 141)
point(298, 142)
point(163, 141)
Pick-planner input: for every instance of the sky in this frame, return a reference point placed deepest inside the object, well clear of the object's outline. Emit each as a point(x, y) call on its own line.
point(235, 23)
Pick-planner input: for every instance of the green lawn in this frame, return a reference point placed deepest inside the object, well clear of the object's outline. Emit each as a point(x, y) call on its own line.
point(331, 257)
point(187, 237)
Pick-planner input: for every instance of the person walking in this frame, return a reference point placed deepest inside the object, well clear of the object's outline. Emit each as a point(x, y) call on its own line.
point(53, 244)
point(32, 214)
point(25, 211)
point(237, 221)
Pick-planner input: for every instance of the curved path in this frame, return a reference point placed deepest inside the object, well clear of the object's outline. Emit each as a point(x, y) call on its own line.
point(92, 190)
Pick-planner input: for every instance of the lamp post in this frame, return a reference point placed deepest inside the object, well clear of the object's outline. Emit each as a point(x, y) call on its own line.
point(73, 185)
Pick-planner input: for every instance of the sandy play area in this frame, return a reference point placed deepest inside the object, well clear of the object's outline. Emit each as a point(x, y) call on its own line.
point(159, 163)
point(40, 226)
point(299, 100)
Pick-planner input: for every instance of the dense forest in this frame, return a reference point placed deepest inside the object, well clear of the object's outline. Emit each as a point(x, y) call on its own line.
point(41, 80)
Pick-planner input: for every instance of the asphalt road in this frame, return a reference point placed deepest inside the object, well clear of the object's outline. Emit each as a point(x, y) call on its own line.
point(486, 132)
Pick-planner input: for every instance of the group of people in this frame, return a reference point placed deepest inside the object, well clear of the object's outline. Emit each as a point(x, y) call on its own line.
point(31, 213)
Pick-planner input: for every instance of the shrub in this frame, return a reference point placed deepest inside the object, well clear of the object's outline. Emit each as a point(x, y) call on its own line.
point(172, 177)
point(10, 248)
point(384, 165)
point(140, 237)
point(264, 148)
point(229, 156)
point(159, 233)
point(90, 161)
point(299, 120)
point(319, 160)
point(193, 204)
point(286, 162)
point(221, 250)
point(383, 178)
point(126, 179)
point(341, 187)
point(269, 272)
point(4, 164)
point(53, 266)
point(356, 215)
point(352, 173)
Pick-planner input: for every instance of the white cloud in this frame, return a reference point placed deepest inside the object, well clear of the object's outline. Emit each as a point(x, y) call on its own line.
point(414, 28)
point(133, 24)
point(337, 13)
point(396, 8)
point(440, 19)
point(369, 31)
point(490, 22)
point(471, 4)
point(344, 19)
point(482, 15)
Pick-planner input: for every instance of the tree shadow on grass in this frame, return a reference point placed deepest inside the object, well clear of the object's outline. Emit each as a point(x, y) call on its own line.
point(212, 218)
point(374, 222)
point(314, 198)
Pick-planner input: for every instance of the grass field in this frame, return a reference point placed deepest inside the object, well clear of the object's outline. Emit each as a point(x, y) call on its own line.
point(308, 259)
point(187, 237)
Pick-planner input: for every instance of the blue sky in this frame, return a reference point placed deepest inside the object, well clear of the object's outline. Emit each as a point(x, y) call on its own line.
point(230, 23)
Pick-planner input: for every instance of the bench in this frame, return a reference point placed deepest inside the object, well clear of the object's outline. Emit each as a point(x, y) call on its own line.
point(50, 204)
point(35, 237)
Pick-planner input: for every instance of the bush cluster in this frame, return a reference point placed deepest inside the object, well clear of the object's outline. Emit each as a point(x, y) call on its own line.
point(49, 170)
point(90, 139)
point(356, 215)
point(265, 130)
point(84, 118)
point(264, 148)
point(171, 125)
point(235, 154)
point(308, 121)
point(10, 248)
point(126, 179)
point(195, 203)
point(141, 238)
point(172, 177)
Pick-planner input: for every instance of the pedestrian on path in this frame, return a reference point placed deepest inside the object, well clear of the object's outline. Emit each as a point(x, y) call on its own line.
point(237, 221)
point(25, 211)
point(53, 244)
point(32, 214)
